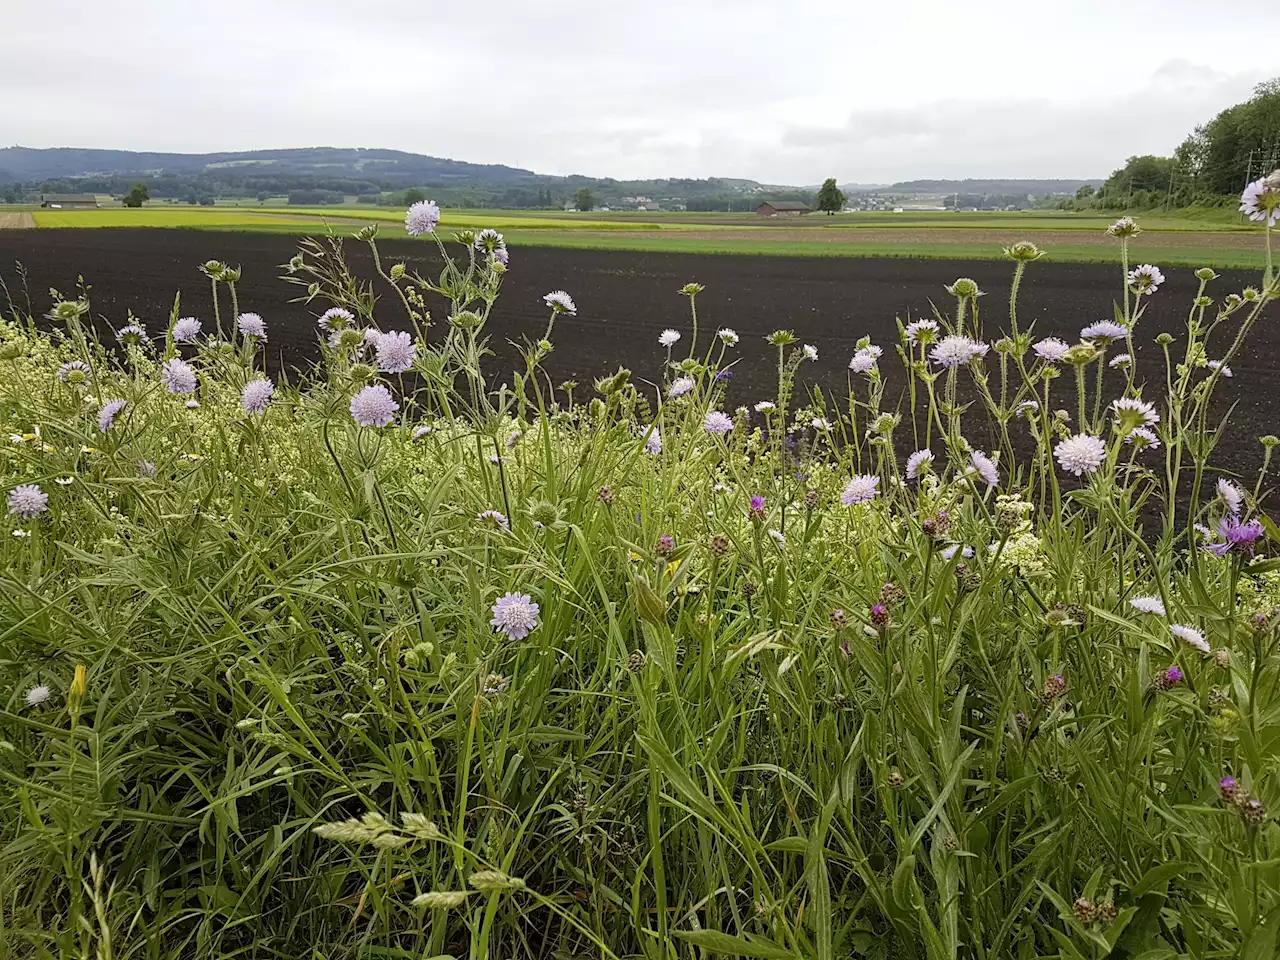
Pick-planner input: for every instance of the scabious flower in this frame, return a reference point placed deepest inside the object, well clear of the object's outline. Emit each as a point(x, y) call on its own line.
point(764, 406)
point(396, 351)
point(679, 387)
point(1051, 349)
point(919, 459)
point(251, 325)
point(668, 337)
point(1221, 367)
point(133, 334)
point(335, 319)
point(186, 330)
point(373, 406)
point(1151, 605)
point(1145, 279)
point(955, 351)
point(73, 371)
point(949, 552)
point(861, 488)
point(178, 377)
point(717, 422)
point(1231, 495)
point(654, 443)
point(146, 469)
point(1260, 201)
point(561, 302)
point(1236, 536)
point(728, 337)
point(421, 218)
point(1142, 438)
point(494, 517)
point(422, 430)
point(778, 538)
point(1191, 636)
point(37, 695)
point(515, 614)
point(1104, 331)
point(862, 361)
point(1131, 412)
point(1081, 453)
point(810, 352)
point(922, 331)
point(820, 423)
point(986, 467)
point(107, 415)
point(1124, 227)
point(1120, 360)
point(256, 394)
point(489, 241)
point(27, 501)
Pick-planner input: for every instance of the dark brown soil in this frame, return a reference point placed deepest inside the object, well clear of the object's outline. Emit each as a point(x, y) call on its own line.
point(625, 299)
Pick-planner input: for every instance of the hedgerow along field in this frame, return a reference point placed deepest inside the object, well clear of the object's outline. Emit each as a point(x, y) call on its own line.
point(394, 662)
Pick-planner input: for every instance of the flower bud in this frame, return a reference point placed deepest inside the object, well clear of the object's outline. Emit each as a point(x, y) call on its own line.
point(692, 289)
point(397, 271)
point(1164, 339)
point(1206, 274)
point(964, 288)
point(1024, 251)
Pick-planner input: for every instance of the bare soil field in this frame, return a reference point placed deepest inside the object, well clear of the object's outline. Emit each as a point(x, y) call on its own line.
point(991, 237)
point(16, 221)
point(625, 299)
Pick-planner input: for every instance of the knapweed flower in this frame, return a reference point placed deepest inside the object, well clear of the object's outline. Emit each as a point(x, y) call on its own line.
point(396, 351)
point(1142, 438)
point(1230, 790)
point(1231, 495)
point(1120, 360)
point(74, 372)
point(654, 443)
point(668, 337)
point(986, 467)
point(37, 695)
point(515, 614)
point(922, 331)
point(921, 459)
point(861, 488)
point(561, 302)
point(1104, 331)
point(955, 351)
point(679, 387)
point(1222, 368)
point(1191, 636)
point(133, 334)
point(1145, 279)
point(728, 337)
point(1124, 227)
point(186, 330)
point(494, 518)
point(1051, 349)
point(256, 394)
point(27, 501)
point(1170, 678)
point(810, 351)
point(1131, 412)
point(862, 362)
point(1081, 453)
point(757, 507)
point(335, 319)
point(1260, 201)
point(251, 325)
point(178, 377)
point(1236, 536)
point(421, 218)
point(717, 422)
point(1151, 605)
point(373, 406)
point(107, 415)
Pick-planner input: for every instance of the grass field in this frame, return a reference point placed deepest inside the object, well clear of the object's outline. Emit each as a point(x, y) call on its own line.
point(1180, 238)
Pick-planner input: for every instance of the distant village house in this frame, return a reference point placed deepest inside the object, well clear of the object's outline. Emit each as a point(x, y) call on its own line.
point(65, 201)
point(782, 208)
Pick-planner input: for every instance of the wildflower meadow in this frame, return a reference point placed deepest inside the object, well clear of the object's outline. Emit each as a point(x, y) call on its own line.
point(411, 658)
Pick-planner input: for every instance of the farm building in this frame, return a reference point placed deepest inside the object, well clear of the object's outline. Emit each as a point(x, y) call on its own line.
point(66, 201)
point(782, 208)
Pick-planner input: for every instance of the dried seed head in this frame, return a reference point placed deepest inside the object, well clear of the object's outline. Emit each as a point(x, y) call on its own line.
point(1222, 657)
point(749, 589)
point(839, 701)
point(891, 593)
point(718, 544)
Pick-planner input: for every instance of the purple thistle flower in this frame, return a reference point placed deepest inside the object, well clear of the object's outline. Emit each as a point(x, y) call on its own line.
point(515, 614)
point(186, 330)
point(879, 614)
point(373, 406)
point(421, 218)
point(1236, 536)
point(717, 422)
point(107, 415)
point(1174, 674)
point(256, 394)
point(251, 325)
point(396, 351)
point(179, 377)
point(757, 507)
point(27, 501)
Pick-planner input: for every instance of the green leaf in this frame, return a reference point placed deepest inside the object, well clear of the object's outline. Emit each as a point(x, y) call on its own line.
point(1261, 944)
point(1157, 877)
point(1269, 525)
point(714, 941)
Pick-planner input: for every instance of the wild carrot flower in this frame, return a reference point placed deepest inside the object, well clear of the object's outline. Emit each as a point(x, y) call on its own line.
point(256, 394)
point(74, 372)
point(1236, 536)
point(373, 406)
point(107, 415)
point(1231, 495)
point(1051, 349)
point(421, 218)
point(955, 351)
point(1145, 279)
point(179, 377)
point(1131, 412)
point(515, 614)
point(27, 501)
point(1104, 331)
point(668, 337)
point(1150, 605)
point(728, 337)
point(717, 422)
point(986, 467)
point(919, 459)
point(778, 538)
point(396, 351)
point(1221, 367)
point(679, 387)
point(1080, 454)
point(186, 330)
point(862, 488)
point(921, 331)
point(251, 325)
point(1191, 636)
point(561, 302)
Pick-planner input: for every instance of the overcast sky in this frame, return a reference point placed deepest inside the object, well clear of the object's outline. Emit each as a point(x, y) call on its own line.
point(783, 92)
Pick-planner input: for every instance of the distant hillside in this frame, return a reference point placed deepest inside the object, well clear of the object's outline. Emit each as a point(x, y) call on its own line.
point(1037, 188)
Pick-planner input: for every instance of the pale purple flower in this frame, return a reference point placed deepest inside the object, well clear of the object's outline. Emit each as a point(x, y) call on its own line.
point(27, 501)
point(810, 351)
point(1120, 360)
point(1051, 349)
point(1222, 368)
point(717, 422)
point(1142, 438)
point(79, 367)
point(955, 351)
point(679, 387)
point(1081, 453)
point(1145, 279)
point(107, 415)
point(335, 319)
point(38, 695)
point(1104, 331)
point(373, 406)
point(986, 467)
point(251, 325)
point(757, 506)
point(502, 255)
point(728, 337)
point(1236, 536)
point(1191, 636)
point(764, 406)
point(922, 331)
point(515, 614)
point(256, 394)
point(1149, 605)
point(1132, 412)
point(862, 362)
point(422, 430)
point(186, 330)
point(949, 552)
point(421, 218)
point(1124, 227)
point(396, 351)
point(820, 423)
point(668, 337)
point(778, 538)
point(654, 443)
point(723, 375)
point(919, 459)
point(1260, 201)
point(561, 302)
point(861, 488)
point(146, 469)
point(490, 241)
point(499, 520)
point(1231, 495)
point(133, 333)
point(178, 377)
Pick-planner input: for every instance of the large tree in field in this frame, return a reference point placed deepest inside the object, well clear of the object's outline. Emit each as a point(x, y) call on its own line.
point(830, 198)
point(413, 195)
point(137, 195)
point(583, 199)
